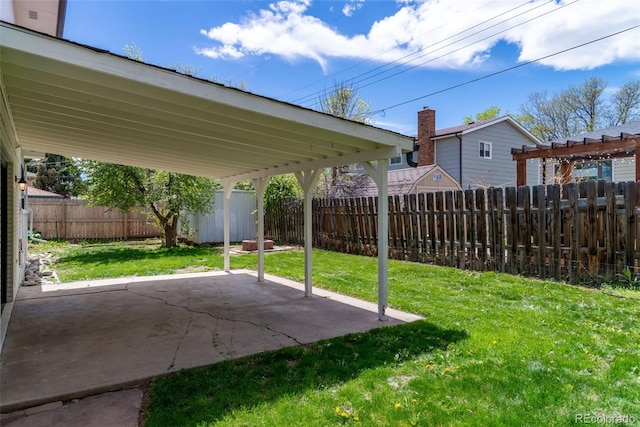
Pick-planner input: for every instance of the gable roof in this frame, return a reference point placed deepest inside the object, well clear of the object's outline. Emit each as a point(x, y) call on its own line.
point(632, 128)
point(472, 127)
point(37, 192)
point(399, 182)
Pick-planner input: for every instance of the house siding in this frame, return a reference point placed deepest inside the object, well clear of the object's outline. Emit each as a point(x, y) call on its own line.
point(448, 156)
point(429, 184)
point(10, 156)
point(500, 169)
point(624, 169)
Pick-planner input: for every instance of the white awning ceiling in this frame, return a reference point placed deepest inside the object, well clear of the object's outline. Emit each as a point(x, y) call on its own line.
point(78, 101)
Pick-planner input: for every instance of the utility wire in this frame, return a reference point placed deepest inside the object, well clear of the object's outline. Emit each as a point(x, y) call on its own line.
point(465, 46)
point(389, 50)
point(313, 96)
point(383, 110)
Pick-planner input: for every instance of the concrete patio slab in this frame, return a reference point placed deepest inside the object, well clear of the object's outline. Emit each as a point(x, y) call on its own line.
point(79, 339)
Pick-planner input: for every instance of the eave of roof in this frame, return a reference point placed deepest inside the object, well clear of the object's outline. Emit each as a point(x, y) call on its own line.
point(473, 127)
point(79, 101)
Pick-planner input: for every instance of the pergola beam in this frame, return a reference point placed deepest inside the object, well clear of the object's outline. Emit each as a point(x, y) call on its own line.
point(626, 145)
point(594, 148)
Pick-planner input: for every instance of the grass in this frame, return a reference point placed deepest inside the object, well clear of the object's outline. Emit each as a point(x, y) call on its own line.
point(493, 349)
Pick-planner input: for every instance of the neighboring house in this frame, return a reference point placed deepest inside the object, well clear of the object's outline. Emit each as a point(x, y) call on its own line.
point(617, 165)
point(477, 155)
point(36, 193)
point(42, 16)
point(423, 179)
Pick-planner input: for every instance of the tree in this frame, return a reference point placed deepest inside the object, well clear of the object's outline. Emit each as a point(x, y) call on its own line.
point(490, 113)
point(548, 118)
point(167, 195)
point(624, 105)
point(343, 101)
point(586, 102)
point(279, 188)
point(579, 109)
point(57, 174)
point(132, 51)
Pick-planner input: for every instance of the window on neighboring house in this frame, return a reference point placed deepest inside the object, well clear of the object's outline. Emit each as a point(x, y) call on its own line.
point(485, 150)
point(593, 170)
point(395, 160)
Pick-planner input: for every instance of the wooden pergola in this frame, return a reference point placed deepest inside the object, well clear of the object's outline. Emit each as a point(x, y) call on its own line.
point(570, 151)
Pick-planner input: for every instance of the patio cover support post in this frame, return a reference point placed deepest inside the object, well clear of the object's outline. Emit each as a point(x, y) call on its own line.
point(260, 184)
point(308, 181)
point(227, 187)
point(379, 175)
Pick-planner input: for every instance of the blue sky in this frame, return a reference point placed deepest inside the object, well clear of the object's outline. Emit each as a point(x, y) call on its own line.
point(393, 51)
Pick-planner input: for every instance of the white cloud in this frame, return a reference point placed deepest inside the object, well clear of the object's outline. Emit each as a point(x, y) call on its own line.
point(352, 6)
point(440, 33)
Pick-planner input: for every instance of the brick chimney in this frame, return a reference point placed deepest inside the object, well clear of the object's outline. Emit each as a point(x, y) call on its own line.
point(426, 129)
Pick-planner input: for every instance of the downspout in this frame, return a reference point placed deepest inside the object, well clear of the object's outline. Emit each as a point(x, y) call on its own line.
point(460, 156)
point(30, 230)
point(409, 155)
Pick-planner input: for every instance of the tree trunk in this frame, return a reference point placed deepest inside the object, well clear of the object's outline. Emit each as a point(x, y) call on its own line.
point(171, 233)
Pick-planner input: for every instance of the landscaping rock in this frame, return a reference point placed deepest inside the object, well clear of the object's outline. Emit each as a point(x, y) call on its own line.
point(34, 275)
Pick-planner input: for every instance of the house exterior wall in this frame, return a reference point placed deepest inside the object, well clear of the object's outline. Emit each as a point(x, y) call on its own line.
point(209, 228)
point(16, 248)
point(448, 156)
point(497, 171)
point(624, 169)
point(402, 165)
point(436, 180)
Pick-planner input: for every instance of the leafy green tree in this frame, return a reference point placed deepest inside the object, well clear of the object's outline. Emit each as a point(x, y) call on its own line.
point(281, 187)
point(490, 113)
point(168, 196)
point(58, 174)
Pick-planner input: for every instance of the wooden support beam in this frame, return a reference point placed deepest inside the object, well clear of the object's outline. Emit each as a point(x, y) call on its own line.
point(521, 172)
point(580, 148)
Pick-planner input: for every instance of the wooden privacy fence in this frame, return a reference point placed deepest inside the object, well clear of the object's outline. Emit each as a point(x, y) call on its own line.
point(586, 232)
point(74, 219)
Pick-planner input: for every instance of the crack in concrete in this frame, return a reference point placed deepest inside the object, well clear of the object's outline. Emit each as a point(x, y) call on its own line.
point(184, 334)
point(189, 309)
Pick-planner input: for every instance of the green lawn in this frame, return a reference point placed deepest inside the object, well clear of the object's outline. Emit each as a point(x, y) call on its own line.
point(493, 349)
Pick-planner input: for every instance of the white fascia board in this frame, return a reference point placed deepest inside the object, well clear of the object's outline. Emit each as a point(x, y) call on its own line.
point(104, 62)
point(379, 154)
point(509, 119)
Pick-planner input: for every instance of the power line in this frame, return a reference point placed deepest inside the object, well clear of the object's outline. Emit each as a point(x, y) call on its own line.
point(356, 82)
point(506, 70)
point(389, 50)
